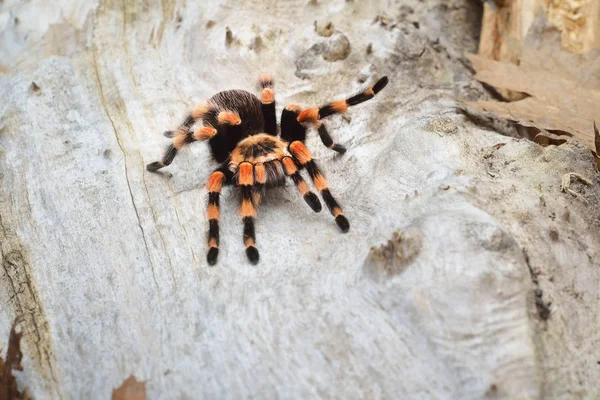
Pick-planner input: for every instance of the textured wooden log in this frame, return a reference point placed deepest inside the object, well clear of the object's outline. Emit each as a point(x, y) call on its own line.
point(460, 236)
point(506, 25)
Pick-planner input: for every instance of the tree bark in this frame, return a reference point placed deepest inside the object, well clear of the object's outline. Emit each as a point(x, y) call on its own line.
point(460, 235)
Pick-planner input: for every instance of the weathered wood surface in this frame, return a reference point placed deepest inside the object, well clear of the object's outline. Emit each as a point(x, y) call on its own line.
point(107, 261)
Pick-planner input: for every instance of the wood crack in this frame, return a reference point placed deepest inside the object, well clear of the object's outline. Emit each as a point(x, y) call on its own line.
point(162, 239)
point(24, 296)
point(120, 144)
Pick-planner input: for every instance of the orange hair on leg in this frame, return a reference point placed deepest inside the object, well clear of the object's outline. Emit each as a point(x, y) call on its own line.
point(300, 151)
point(179, 141)
point(214, 185)
point(205, 133)
point(201, 111)
point(289, 165)
point(229, 118)
point(292, 171)
point(245, 174)
point(294, 107)
point(213, 212)
point(260, 173)
point(340, 106)
point(215, 182)
point(320, 182)
point(303, 188)
point(247, 209)
point(265, 80)
point(268, 96)
point(309, 115)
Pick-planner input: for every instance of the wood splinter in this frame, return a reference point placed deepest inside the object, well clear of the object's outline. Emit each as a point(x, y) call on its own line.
point(566, 184)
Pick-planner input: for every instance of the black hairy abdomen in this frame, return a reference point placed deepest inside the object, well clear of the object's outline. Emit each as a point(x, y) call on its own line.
point(249, 108)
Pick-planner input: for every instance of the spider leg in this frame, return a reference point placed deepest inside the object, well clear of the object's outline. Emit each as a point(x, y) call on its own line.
point(312, 115)
point(231, 118)
point(260, 177)
point(245, 180)
point(268, 103)
point(291, 170)
point(214, 186)
point(201, 111)
point(180, 140)
point(182, 137)
point(304, 158)
point(326, 138)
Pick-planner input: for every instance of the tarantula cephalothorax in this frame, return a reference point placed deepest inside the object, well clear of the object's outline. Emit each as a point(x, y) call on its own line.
point(242, 133)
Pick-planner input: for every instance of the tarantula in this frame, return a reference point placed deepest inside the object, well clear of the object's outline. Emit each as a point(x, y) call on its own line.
point(242, 133)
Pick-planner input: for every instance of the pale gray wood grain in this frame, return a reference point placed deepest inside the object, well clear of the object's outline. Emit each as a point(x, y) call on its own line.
point(107, 261)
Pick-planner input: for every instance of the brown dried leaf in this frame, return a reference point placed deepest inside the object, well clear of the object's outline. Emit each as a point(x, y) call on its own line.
point(8, 383)
point(556, 103)
point(547, 86)
point(130, 390)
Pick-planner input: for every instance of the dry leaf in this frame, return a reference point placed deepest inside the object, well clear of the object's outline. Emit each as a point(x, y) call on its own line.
point(8, 383)
point(525, 37)
point(543, 43)
point(548, 86)
point(130, 390)
point(556, 103)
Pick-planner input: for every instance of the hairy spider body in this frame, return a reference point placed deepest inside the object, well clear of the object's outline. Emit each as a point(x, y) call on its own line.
point(241, 130)
point(249, 109)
